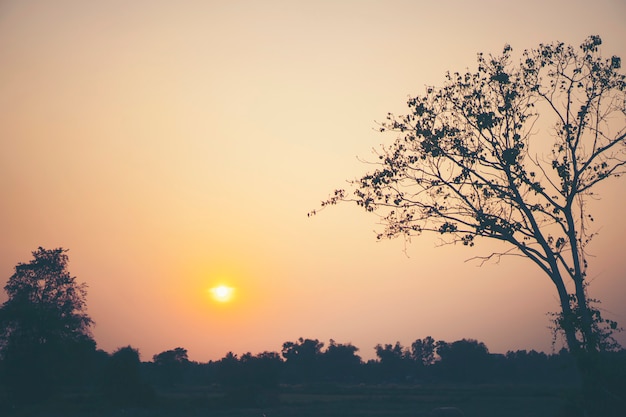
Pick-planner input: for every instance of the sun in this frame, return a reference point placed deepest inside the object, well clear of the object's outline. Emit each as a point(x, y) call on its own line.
point(222, 293)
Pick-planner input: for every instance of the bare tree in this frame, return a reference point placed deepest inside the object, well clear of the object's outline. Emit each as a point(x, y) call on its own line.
point(469, 163)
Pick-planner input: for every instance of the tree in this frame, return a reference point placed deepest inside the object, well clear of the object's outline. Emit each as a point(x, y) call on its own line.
point(122, 382)
point(464, 167)
point(341, 362)
point(464, 360)
point(45, 334)
point(174, 356)
point(302, 358)
point(423, 351)
point(171, 365)
point(394, 361)
point(250, 380)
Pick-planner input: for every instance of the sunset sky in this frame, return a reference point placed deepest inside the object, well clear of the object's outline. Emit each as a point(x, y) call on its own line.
point(174, 146)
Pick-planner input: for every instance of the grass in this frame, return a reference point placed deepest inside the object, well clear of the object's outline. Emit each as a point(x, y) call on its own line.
point(331, 400)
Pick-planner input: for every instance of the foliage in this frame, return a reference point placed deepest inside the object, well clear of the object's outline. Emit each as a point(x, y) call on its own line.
point(174, 356)
point(303, 358)
point(171, 365)
point(602, 327)
point(465, 360)
point(122, 382)
point(303, 349)
point(44, 301)
point(45, 338)
point(250, 380)
point(423, 351)
point(340, 362)
point(394, 360)
point(464, 166)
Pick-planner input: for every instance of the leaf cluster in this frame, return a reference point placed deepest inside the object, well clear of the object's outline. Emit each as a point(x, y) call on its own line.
point(469, 161)
point(46, 304)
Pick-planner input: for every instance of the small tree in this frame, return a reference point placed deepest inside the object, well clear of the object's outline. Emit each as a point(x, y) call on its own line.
point(423, 351)
point(122, 381)
point(464, 360)
point(250, 380)
point(464, 167)
point(341, 362)
point(171, 365)
point(45, 334)
point(394, 361)
point(302, 359)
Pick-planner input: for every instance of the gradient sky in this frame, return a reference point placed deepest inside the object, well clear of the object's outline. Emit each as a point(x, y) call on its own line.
point(172, 146)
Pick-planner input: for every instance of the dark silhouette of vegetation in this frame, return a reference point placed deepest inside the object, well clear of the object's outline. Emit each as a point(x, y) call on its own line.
point(45, 339)
point(465, 361)
point(251, 380)
point(247, 379)
point(465, 166)
point(49, 359)
point(303, 359)
point(122, 380)
point(171, 365)
point(393, 362)
point(423, 351)
point(341, 363)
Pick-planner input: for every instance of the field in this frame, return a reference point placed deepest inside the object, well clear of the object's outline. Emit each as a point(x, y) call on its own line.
point(334, 401)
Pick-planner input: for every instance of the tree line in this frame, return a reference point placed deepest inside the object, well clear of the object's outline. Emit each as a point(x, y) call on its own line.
point(307, 361)
point(46, 349)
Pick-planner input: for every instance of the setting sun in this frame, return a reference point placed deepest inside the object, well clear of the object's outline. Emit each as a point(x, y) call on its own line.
point(175, 151)
point(222, 293)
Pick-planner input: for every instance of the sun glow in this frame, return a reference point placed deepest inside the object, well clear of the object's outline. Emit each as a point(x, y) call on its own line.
point(222, 293)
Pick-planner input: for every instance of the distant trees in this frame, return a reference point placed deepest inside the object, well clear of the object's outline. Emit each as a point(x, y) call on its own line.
point(171, 365)
point(306, 360)
point(250, 380)
point(45, 338)
point(122, 380)
point(423, 351)
point(395, 362)
point(302, 358)
point(527, 365)
point(46, 346)
point(465, 360)
point(254, 379)
point(175, 356)
point(340, 362)
point(465, 166)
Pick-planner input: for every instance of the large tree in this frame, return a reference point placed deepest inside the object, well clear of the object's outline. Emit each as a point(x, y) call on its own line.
point(510, 152)
point(45, 337)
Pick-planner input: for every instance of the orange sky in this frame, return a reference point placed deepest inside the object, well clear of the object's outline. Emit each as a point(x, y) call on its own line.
point(172, 146)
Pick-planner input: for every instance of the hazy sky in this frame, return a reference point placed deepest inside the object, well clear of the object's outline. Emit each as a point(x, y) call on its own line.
point(175, 145)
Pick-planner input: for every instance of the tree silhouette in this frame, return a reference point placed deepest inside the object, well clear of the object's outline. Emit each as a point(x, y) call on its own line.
point(423, 351)
point(45, 336)
point(250, 380)
point(171, 365)
point(174, 356)
point(122, 382)
point(464, 167)
point(465, 360)
point(394, 361)
point(303, 359)
point(340, 361)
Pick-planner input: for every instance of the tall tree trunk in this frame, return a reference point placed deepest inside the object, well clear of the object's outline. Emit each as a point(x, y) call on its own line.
point(598, 398)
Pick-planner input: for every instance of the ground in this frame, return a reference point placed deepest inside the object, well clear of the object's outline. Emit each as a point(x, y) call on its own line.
point(333, 400)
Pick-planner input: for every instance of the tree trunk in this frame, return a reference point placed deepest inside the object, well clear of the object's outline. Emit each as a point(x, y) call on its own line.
point(599, 398)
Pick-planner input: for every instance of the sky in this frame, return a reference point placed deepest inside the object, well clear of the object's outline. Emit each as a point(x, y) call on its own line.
point(176, 146)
